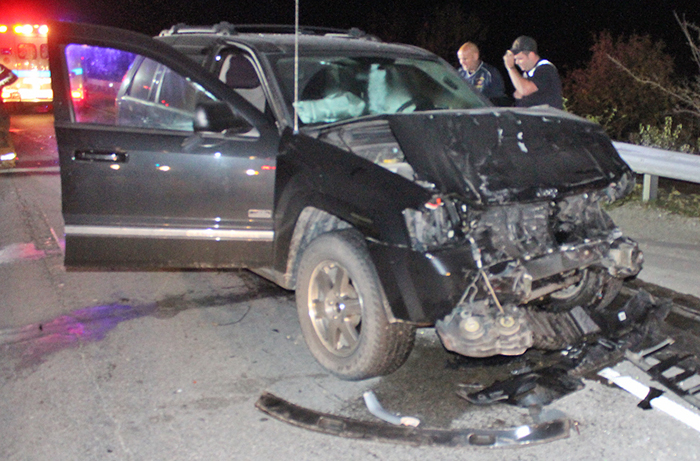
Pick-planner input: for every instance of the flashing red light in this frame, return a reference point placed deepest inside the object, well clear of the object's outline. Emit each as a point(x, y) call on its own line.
point(24, 29)
point(27, 29)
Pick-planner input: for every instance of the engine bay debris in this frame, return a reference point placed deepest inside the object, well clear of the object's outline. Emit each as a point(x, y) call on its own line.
point(606, 337)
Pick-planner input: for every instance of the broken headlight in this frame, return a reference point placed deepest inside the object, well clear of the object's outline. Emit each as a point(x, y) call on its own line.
point(621, 188)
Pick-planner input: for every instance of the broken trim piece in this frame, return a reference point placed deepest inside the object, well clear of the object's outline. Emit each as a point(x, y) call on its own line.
point(662, 403)
point(685, 365)
point(377, 410)
point(356, 429)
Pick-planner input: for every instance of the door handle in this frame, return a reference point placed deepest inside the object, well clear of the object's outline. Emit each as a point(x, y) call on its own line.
point(101, 156)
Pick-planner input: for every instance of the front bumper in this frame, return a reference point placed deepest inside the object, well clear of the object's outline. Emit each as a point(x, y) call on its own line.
point(424, 287)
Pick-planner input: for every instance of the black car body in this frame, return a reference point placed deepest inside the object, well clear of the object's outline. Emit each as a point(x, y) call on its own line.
point(366, 176)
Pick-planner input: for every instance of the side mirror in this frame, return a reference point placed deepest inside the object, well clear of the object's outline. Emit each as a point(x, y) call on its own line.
point(217, 116)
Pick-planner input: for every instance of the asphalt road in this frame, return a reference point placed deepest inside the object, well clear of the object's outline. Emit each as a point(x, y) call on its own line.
point(169, 365)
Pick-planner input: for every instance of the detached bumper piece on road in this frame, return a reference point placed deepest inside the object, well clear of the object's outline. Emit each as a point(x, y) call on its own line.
point(384, 432)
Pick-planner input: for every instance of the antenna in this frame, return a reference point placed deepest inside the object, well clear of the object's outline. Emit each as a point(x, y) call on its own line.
point(296, 66)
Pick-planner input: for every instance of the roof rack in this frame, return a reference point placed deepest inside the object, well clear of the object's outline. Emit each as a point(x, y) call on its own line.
point(225, 28)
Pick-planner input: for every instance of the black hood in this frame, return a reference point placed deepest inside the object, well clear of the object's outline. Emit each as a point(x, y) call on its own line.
point(499, 156)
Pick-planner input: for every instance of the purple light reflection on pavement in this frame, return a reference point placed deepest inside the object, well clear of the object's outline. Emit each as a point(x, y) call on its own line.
point(33, 342)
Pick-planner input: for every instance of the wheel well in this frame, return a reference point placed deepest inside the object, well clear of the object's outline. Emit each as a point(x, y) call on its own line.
point(311, 223)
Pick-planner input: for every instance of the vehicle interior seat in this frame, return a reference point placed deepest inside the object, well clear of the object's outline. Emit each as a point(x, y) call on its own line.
point(238, 73)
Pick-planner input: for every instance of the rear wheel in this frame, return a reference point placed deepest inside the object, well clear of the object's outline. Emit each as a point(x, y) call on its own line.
point(342, 310)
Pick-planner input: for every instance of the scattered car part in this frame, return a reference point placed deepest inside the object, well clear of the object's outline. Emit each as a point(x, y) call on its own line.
point(527, 390)
point(662, 403)
point(675, 369)
point(598, 343)
point(640, 311)
point(377, 410)
point(352, 428)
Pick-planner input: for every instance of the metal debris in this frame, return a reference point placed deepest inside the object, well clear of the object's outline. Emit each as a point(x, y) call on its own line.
point(603, 339)
point(675, 369)
point(352, 428)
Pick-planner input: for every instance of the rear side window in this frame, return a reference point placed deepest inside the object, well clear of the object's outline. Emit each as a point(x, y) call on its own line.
point(175, 92)
point(143, 81)
point(114, 87)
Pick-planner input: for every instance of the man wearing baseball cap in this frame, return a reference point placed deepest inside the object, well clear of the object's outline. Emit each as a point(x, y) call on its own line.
point(539, 82)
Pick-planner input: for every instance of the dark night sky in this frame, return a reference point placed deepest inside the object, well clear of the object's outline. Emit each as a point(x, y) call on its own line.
point(564, 29)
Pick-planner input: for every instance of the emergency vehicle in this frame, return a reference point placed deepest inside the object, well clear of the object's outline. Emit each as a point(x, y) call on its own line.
point(24, 51)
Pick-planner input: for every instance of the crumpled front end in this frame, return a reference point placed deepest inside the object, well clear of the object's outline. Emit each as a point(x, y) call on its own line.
point(513, 249)
point(526, 254)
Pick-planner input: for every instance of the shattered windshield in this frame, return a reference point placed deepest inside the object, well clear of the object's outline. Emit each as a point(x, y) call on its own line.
point(335, 88)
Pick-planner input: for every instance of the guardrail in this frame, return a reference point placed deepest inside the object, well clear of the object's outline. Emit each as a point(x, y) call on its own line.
point(654, 163)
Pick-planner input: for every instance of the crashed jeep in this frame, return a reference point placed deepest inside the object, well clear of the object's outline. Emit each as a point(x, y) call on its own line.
point(366, 176)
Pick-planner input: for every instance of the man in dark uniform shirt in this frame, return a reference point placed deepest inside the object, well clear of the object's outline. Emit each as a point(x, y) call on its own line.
point(539, 83)
point(484, 77)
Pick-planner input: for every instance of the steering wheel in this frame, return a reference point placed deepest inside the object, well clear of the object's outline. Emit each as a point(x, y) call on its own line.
point(407, 104)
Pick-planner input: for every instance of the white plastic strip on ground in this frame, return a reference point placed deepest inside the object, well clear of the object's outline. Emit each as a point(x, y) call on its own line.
point(662, 403)
point(377, 410)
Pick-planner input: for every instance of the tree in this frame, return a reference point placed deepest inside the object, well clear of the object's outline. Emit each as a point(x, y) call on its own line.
point(687, 93)
point(613, 96)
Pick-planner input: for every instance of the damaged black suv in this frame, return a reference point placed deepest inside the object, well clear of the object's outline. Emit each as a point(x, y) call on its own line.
point(366, 176)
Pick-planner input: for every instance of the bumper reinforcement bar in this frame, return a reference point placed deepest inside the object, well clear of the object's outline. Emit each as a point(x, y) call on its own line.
point(383, 432)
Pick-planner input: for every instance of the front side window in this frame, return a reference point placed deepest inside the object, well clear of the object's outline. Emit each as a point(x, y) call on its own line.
point(334, 88)
point(115, 87)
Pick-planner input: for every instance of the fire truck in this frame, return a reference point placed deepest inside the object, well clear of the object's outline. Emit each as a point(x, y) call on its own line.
point(23, 49)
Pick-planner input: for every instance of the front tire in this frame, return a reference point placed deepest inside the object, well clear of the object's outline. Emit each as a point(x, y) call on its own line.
point(342, 310)
point(594, 292)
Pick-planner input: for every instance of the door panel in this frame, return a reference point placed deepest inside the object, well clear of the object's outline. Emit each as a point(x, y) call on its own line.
point(140, 187)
